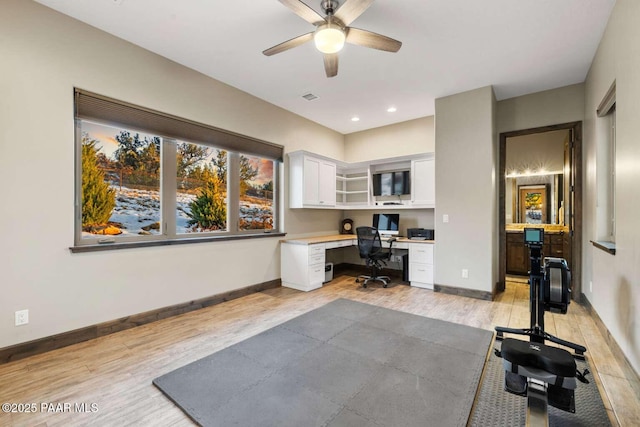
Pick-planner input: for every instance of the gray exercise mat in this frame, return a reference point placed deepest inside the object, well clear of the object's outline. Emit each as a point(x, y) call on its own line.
point(344, 364)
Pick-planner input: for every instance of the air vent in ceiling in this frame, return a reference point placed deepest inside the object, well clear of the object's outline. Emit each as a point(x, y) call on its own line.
point(309, 97)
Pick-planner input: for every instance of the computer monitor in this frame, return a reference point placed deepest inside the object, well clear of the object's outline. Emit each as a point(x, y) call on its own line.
point(387, 224)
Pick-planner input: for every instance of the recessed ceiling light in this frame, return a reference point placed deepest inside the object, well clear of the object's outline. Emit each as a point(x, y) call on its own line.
point(392, 109)
point(355, 119)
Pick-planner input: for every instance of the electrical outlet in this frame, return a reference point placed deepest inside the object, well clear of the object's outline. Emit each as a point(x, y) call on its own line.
point(465, 273)
point(445, 218)
point(22, 317)
point(590, 286)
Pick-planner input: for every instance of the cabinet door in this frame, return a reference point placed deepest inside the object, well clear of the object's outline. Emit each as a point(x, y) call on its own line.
point(311, 195)
point(421, 253)
point(517, 255)
point(319, 182)
point(423, 188)
point(420, 273)
point(327, 184)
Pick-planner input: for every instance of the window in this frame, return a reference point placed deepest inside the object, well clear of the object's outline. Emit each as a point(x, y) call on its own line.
point(611, 175)
point(167, 179)
point(606, 167)
point(201, 196)
point(256, 196)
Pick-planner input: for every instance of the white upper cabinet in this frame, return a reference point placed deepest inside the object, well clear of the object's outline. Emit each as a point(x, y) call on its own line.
point(423, 182)
point(312, 181)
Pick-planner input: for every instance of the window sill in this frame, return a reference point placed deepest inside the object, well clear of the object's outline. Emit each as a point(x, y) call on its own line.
point(131, 245)
point(608, 247)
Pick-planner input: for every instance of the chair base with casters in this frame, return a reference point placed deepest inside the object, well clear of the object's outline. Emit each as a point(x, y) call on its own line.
point(370, 248)
point(373, 277)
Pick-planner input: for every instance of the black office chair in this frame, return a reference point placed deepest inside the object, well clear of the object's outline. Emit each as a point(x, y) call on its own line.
point(370, 247)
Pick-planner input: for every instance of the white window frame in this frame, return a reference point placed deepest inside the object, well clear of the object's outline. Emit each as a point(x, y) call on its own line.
point(606, 167)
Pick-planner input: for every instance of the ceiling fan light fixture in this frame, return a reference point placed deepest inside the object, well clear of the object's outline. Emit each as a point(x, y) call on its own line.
point(329, 38)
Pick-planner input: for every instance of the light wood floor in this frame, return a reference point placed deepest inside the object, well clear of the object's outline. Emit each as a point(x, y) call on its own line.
point(115, 372)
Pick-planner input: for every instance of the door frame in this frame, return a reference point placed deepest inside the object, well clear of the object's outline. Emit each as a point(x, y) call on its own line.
point(575, 219)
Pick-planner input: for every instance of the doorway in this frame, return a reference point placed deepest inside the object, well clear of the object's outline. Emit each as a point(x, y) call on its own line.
point(547, 192)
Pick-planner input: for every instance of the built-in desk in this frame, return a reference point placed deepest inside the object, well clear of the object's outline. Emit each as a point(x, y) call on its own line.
point(303, 260)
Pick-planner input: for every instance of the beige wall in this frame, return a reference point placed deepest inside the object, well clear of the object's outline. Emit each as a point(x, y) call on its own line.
point(466, 190)
point(612, 283)
point(400, 139)
point(550, 107)
point(537, 150)
point(44, 56)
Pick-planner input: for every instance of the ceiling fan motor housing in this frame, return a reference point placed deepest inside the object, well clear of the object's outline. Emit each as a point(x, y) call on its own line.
point(329, 6)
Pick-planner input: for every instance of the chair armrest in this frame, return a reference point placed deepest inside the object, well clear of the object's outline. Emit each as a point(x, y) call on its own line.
point(391, 240)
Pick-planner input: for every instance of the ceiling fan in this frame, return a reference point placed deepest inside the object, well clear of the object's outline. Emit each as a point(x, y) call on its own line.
point(333, 31)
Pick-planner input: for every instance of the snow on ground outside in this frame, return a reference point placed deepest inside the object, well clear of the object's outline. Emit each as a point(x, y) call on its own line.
point(139, 208)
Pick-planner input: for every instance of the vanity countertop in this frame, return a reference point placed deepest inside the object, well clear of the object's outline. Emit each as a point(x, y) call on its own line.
point(548, 228)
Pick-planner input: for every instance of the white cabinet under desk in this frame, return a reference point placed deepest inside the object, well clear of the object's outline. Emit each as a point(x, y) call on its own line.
point(302, 266)
point(421, 264)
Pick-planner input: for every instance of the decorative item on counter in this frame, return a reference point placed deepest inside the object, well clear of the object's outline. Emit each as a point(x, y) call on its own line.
point(347, 226)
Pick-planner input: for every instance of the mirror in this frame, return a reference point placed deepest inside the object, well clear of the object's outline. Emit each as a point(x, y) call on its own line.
point(535, 183)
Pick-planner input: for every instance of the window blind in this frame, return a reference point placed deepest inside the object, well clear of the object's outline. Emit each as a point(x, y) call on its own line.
point(91, 106)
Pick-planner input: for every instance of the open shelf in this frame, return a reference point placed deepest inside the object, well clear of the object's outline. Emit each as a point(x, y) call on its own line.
point(352, 191)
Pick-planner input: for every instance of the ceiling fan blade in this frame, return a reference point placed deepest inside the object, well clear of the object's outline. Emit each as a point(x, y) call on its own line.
point(351, 9)
point(375, 41)
point(303, 11)
point(331, 64)
point(289, 44)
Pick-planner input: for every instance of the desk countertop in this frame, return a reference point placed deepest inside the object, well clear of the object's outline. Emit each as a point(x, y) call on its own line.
point(339, 237)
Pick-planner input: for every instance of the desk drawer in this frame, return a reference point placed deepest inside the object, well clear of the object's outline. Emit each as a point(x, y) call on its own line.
point(345, 243)
point(316, 274)
point(316, 259)
point(421, 253)
point(332, 245)
point(316, 249)
point(400, 245)
point(422, 273)
point(338, 244)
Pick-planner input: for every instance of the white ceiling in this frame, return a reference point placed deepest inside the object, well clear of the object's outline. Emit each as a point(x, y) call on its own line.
point(449, 46)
